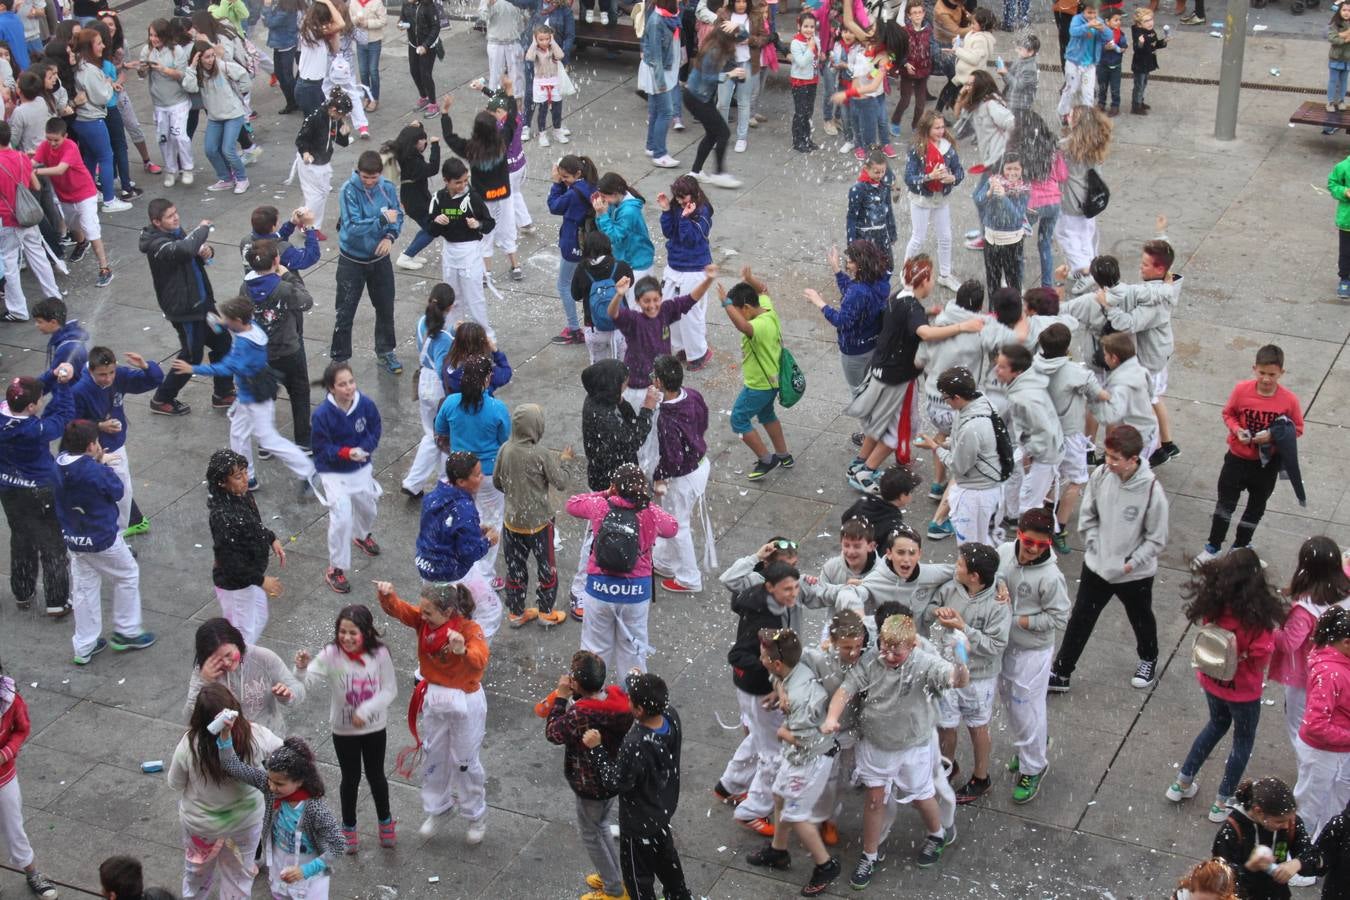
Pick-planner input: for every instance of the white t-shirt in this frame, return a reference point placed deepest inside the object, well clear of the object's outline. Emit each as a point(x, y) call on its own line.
point(741, 20)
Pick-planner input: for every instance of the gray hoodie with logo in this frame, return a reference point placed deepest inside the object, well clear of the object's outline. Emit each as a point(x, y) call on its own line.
point(1034, 424)
point(987, 624)
point(1071, 385)
point(971, 452)
point(900, 711)
point(1038, 591)
point(1123, 522)
point(1131, 400)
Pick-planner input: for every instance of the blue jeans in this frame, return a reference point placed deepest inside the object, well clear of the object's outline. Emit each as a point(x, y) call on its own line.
point(368, 60)
point(1335, 83)
point(658, 123)
point(375, 276)
point(1222, 714)
point(829, 83)
point(866, 121)
point(741, 91)
point(421, 241)
point(1045, 217)
point(222, 148)
point(1108, 81)
point(117, 136)
point(565, 270)
point(308, 95)
point(96, 151)
point(676, 102)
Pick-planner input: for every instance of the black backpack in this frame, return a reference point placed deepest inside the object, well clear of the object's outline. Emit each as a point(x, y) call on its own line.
point(1097, 195)
point(1003, 441)
point(263, 385)
point(616, 543)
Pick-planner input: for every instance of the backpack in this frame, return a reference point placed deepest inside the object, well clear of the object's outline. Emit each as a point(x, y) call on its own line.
point(639, 14)
point(1214, 652)
point(1097, 196)
point(1098, 356)
point(791, 379)
point(597, 301)
point(588, 222)
point(263, 385)
point(1002, 441)
point(616, 542)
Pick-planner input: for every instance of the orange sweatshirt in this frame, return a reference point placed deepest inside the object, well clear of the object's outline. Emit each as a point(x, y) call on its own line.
point(463, 671)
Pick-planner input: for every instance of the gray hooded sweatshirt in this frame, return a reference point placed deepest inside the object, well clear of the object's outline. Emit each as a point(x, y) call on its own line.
point(807, 702)
point(1071, 385)
point(971, 452)
point(1146, 312)
point(1131, 400)
point(1123, 521)
point(900, 711)
point(222, 93)
point(1034, 424)
point(165, 91)
point(987, 624)
point(742, 575)
point(970, 349)
point(882, 585)
point(1038, 592)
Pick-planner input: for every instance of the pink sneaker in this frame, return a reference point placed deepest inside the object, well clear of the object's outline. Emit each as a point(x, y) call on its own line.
point(889, 151)
point(859, 153)
point(351, 839)
point(221, 186)
point(388, 834)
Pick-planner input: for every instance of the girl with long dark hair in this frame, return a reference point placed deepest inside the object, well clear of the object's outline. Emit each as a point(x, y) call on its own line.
point(574, 179)
point(95, 89)
point(165, 58)
point(254, 674)
point(864, 290)
point(115, 55)
point(714, 65)
point(1319, 582)
point(221, 84)
point(413, 171)
point(485, 151)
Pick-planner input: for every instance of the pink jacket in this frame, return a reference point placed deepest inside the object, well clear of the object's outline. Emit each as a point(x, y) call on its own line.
point(1046, 193)
point(1253, 647)
point(1289, 662)
point(653, 522)
point(1326, 720)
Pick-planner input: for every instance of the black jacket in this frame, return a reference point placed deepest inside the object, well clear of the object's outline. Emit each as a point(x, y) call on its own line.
point(491, 178)
point(457, 209)
point(883, 516)
point(413, 172)
point(752, 613)
point(241, 543)
point(611, 432)
point(1238, 838)
point(319, 134)
point(1333, 848)
point(182, 287)
point(279, 304)
point(424, 25)
point(645, 773)
point(899, 340)
point(585, 274)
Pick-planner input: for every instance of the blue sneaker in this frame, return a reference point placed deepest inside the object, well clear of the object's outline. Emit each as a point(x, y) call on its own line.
point(99, 646)
point(252, 485)
point(938, 532)
point(122, 642)
point(391, 363)
point(863, 479)
point(1344, 290)
point(895, 130)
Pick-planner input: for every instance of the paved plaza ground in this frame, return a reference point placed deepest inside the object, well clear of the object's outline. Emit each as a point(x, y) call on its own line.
point(1253, 225)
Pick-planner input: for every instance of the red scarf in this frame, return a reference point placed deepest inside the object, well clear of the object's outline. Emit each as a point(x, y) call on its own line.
point(299, 795)
point(865, 178)
point(931, 162)
point(431, 641)
point(358, 657)
point(670, 15)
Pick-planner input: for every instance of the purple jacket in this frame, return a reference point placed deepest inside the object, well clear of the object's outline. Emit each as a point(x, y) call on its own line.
point(515, 152)
point(680, 430)
point(647, 337)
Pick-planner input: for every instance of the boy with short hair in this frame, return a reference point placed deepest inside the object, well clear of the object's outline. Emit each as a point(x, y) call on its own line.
point(1263, 419)
point(280, 300)
point(966, 611)
point(371, 219)
point(1081, 56)
point(67, 340)
point(645, 774)
point(1130, 389)
point(885, 509)
point(58, 159)
point(898, 741)
point(682, 471)
point(847, 641)
point(87, 492)
point(1123, 521)
point(972, 458)
point(1114, 44)
point(608, 710)
point(121, 878)
point(799, 787)
point(751, 312)
point(1038, 440)
point(263, 226)
point(251, 415)
point(1040, 606)
point(99, 395)
point(871, 211)
point(1021, 79)
point(460, 218)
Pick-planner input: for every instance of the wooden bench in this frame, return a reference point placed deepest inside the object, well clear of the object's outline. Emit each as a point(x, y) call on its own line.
point(610, 37)
point(1314, 112)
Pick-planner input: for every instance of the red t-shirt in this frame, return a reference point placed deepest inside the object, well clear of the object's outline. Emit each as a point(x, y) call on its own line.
point(1248, 409)
point(14, 168)
point(76, 184)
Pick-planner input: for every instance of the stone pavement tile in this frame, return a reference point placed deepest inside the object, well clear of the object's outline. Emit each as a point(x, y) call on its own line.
point(131, 803)
point(69, 852)
point(127, 739)
point(47, 774)
point(1331, 402)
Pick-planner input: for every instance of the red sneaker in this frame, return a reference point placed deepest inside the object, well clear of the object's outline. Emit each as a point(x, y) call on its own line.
point(761, 826)
point(337, 580)
point(675, 587)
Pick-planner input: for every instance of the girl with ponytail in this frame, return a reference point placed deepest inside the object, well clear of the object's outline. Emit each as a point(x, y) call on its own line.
point(433, 346)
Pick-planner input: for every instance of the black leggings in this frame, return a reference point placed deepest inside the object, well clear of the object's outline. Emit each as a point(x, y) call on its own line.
point(354, 750)
point(715, 130)
point(420, 67)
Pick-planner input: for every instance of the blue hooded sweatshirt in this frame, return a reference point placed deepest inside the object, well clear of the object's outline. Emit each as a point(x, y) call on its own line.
point(687, 247)
point(87, 492)
point(363, 223)
point(98, 404)
point(25, 442)
point(292, 257)
point(1085, 44)
point(858, 318)
point(68, 344)
point(247, 357)
point(449, 537)
point(336, 431)
point(627, 232)
point(573, 203)
point(501, 374)
point(481, 432)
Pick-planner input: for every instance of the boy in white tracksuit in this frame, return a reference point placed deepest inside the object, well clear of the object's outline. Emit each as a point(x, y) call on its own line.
point(1038, 440)
point(971, 457)
point(87, 491)
point(1131, 391)
point(966, 610)
point(1040, 605)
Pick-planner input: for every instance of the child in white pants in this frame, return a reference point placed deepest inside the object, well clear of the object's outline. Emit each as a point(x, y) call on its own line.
point(14, 730)
point(686, 222)
point(433, 345)
point(87, 492)
point(683, 471)
point(448, 705)
point(346, 431)
point(460, 217)
point(322, 131)
point(241, 545)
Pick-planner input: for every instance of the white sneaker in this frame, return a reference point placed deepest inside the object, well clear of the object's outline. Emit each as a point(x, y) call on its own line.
point(724, 180)
point(950, 282)
point(169, 179)
point(1302, 881)
point(429, 826)
point(221, 185)
point(252, 154)
point(590, 16)
point(666, 162)
point(115, 205)
point(1176, 793)
point(648, 152)
point(543, 138)
point(559, 135)
point(677, 124)
point(567, 131)
point(185, 176)
point(974, 233)
point(740, 146)
point(1204, 556)
point(604, 18)
point(525, 133)
point(846, 147)
point(700, 177)
point(405, 261)
point(475, 832)
point(241, 186)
